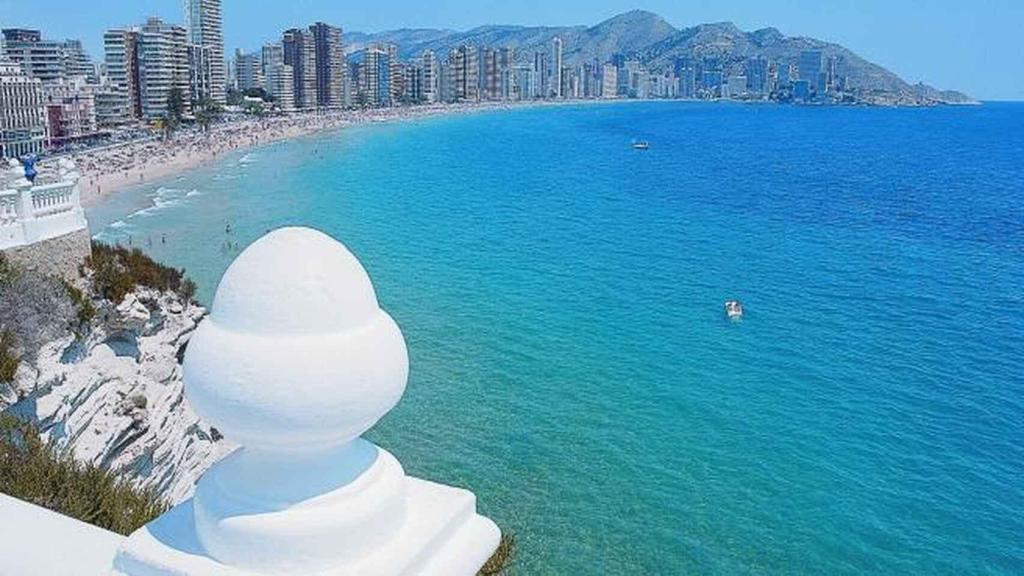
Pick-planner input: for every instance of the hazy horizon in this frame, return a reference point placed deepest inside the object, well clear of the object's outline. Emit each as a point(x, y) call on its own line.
point(970, 47)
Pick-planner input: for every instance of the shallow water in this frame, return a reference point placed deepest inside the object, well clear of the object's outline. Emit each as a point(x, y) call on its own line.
point(562, 298)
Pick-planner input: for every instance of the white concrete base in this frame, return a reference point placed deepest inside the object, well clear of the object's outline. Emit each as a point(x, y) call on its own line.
point(453, 541)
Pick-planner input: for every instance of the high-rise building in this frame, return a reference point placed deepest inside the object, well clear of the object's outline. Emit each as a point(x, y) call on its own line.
point(632, 80)
point(22, 114)
point(300, 54)
point(609, 81)
point(248, 70)
point(556, 68)
point(686, 73)
point(712, 77)
point(413, 78)
point(431, 77)
point(490, 75)
point(524, 82)
point(42, 59)
point(375, 76)
point(200, 74)
point(330, 65)
point(278, 77)
point(280, 83)
point(465, 73)
point(77, 63)
point(540, 71)
point(164, 74)
point(811, 70)
point(121, 55)
point(203, 22)
point(396, 72)
point(757, 75)
point(271, 54)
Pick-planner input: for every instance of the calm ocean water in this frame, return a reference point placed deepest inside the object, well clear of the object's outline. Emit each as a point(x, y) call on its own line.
point(562, 299)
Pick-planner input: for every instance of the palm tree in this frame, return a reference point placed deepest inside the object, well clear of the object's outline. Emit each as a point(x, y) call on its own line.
point(207, 112)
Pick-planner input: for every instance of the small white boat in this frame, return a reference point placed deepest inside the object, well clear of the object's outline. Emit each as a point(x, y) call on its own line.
point(642, 145)
point(734, 309)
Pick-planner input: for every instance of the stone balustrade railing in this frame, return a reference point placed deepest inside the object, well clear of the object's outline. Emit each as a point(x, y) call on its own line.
point(30, 214)
point(9, 201)
point(54, 199)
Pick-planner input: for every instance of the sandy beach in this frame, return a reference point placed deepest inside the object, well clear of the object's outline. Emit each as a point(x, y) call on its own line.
point(110, 169)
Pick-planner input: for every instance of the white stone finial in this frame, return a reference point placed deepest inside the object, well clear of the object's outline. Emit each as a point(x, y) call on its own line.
point(295, 362)
point(296, 354)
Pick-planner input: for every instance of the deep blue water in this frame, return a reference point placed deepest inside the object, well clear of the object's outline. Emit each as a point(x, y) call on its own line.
point(562, 299)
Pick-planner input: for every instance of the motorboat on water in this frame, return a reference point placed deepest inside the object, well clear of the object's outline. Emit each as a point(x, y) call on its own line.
point(734, 309)
point(641, 145)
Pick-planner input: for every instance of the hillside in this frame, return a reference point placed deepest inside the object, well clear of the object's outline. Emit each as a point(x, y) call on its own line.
point(657, 44)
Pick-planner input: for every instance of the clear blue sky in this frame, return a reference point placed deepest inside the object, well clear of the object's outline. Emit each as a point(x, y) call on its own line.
point(972, 45)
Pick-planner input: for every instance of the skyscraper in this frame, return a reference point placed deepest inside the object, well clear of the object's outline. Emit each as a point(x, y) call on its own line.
point(76, 61)
point(757, 75)
point(278, 77)
point(375, 75)
point(465, 73)
point(490, 77)
point(396, 74)
point(300, 54)
point(121, 55)
point(810, 69)
point(203, 22)
point(609, 81)
point(431, 78)
point(330, 64)
point(556, 68)
point(413, 76)
point(163, 69)
point(686, 72)
point(39, 58)
point(248, 70)
point(540, 72)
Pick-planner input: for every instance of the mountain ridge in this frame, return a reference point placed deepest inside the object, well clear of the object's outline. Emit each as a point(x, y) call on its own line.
point(656, 43)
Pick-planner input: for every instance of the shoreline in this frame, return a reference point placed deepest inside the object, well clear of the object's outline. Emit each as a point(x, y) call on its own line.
point(108, 171)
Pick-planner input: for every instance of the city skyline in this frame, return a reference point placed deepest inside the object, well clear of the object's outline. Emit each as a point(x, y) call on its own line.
point(918, 45)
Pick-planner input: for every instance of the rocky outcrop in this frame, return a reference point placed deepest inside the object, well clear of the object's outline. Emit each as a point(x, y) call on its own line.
point(115, 396)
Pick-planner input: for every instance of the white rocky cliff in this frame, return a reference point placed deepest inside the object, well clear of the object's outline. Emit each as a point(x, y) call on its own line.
point(115, 396)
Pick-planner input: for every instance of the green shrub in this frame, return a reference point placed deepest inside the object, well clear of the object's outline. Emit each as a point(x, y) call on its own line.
point(7, 270)
point(500, 562)
point(37, 472)
point(117, 271)
point(9, 358)
point(84, 308)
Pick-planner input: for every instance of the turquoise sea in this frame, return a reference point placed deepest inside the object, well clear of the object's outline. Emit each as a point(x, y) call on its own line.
point(562, 296)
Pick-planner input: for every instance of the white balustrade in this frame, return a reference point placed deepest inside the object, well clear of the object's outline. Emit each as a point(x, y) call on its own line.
point(30, 214)
point(53, 199)
point(9, 207)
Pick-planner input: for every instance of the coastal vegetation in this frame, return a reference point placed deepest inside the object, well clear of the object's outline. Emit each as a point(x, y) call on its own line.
point(9, 359)
point(116, 271)
point(36, 471)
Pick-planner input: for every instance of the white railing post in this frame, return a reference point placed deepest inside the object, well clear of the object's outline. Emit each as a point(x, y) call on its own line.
point(295, 362)
point(26, 211)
